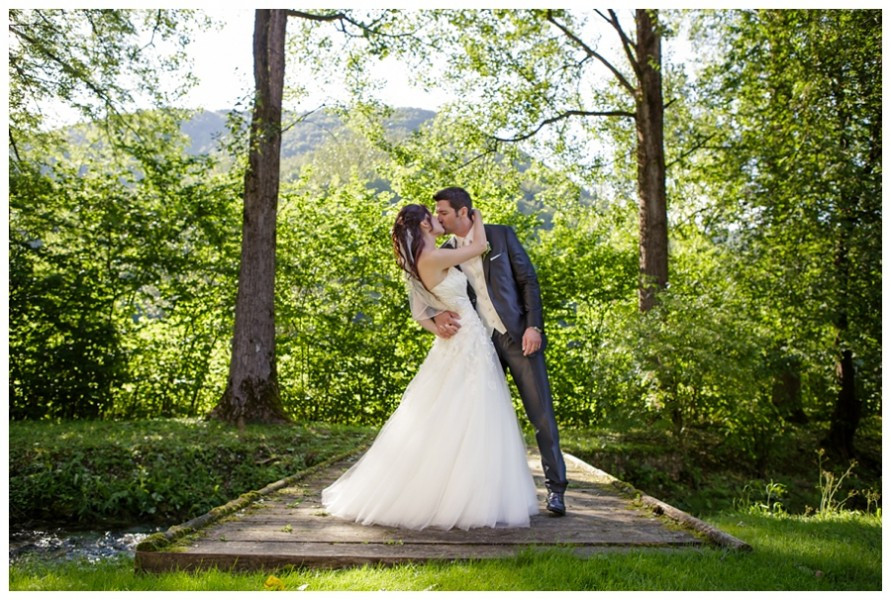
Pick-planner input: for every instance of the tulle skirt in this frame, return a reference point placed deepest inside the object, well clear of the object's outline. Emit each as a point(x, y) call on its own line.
point(451, 455)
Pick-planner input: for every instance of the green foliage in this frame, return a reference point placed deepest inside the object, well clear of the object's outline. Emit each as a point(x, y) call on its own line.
point(516, 70)
point(700, 362)
point(100, 63)
point(796, 178)
point(587, 270)
point(119, 244)
point(116, 275)
point(157, 470)
point(346, 344)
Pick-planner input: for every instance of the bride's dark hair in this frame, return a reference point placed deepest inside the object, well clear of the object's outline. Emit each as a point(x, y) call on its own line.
point(408, 239)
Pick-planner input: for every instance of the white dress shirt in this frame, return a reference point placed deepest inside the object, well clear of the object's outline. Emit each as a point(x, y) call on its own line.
point(473, 269)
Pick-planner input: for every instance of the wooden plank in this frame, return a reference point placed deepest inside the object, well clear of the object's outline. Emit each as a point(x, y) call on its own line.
point(288, 526)
point(253, 556)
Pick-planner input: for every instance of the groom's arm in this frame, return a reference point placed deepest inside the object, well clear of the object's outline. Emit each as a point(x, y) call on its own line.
point(429, 325)
point(527, 280)
point(445, 324)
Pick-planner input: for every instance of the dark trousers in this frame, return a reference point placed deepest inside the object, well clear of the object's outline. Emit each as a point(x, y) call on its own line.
point(531, 377)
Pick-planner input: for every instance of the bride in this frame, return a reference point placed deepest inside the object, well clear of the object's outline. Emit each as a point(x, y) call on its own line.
point(451, 455)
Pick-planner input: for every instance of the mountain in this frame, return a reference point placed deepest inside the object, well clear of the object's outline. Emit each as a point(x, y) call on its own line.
point(314, 130)
point(322, 138)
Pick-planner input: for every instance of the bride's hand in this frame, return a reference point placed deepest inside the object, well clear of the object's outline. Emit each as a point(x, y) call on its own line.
point(479, 231)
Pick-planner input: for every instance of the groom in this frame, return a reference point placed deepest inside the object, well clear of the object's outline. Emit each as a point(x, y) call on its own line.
point(504, 289)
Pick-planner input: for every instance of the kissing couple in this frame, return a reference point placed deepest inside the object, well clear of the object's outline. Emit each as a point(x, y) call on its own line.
point(452, 454)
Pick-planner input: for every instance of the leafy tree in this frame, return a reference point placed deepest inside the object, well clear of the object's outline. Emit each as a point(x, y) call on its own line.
point(252, 392)
point(103, 258)
point(585, 262)
point(797, 128)
point(102, 64)
point(537, 76)
point(113, 230)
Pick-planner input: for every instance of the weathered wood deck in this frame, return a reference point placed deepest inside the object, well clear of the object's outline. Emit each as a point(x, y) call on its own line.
point(285, 524)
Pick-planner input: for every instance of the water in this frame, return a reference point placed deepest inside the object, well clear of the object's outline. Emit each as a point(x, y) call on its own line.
point(65, 544)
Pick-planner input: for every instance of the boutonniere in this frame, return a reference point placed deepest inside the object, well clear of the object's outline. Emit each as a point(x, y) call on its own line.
point(487, 250)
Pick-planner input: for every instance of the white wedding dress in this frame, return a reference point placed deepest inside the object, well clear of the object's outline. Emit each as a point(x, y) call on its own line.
point(452, 454)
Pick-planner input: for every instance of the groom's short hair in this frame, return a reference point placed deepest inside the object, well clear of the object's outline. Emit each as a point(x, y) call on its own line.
point(457, 198)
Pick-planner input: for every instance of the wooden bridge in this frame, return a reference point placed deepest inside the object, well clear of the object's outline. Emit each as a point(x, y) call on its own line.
point(285, 524)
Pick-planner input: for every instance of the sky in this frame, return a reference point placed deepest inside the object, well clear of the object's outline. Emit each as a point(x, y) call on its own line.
point(222, 58)
point(223, 61)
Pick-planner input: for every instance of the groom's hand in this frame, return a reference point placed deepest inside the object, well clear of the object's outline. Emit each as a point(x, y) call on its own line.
point(447, 324)
point(531, 341)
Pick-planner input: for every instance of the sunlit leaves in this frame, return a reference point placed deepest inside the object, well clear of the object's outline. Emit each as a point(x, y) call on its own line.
point(99, 62)
point(796, 179)
point(107, 259)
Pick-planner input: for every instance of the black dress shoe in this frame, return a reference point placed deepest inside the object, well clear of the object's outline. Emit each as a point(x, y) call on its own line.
point(555, 504)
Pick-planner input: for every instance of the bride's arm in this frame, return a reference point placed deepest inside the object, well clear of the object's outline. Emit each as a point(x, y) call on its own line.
point(443, 258)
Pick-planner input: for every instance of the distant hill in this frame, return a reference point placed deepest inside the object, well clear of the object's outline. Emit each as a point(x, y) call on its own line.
point(323, 140)
point(205, 128)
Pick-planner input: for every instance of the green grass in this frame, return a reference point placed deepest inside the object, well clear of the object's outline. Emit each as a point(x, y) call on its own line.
point(831, 553)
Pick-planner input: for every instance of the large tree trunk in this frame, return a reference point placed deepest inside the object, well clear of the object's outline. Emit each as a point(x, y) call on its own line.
point(846, 415)
point(651, 161)
point(252, 393)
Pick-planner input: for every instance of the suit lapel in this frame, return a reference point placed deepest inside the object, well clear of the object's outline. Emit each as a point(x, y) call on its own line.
point(486, 267)
point(451, 244)
point(486, 256)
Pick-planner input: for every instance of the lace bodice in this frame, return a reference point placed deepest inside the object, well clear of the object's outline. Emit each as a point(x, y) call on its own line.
point(452, 291)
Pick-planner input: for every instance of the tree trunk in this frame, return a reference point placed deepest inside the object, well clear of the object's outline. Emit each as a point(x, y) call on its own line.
point(846, 415)
point(252, 393)
point(786, 393)
point(651, 161)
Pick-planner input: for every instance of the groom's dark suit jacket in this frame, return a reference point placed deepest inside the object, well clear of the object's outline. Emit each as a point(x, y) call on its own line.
point(513, 285)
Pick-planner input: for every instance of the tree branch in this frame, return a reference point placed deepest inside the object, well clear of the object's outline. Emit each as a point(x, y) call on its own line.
point(155, 30)
point(15, 148)
point(693, 149)
point(71, 71)
point(490, 150)
point(314, 16)
point(627, 45)
point(591, 52)
point(303, 117)
point(566, 115)
point(344, 17)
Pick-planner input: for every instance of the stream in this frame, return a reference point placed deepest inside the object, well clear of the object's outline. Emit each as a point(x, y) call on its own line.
point(59, 543)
